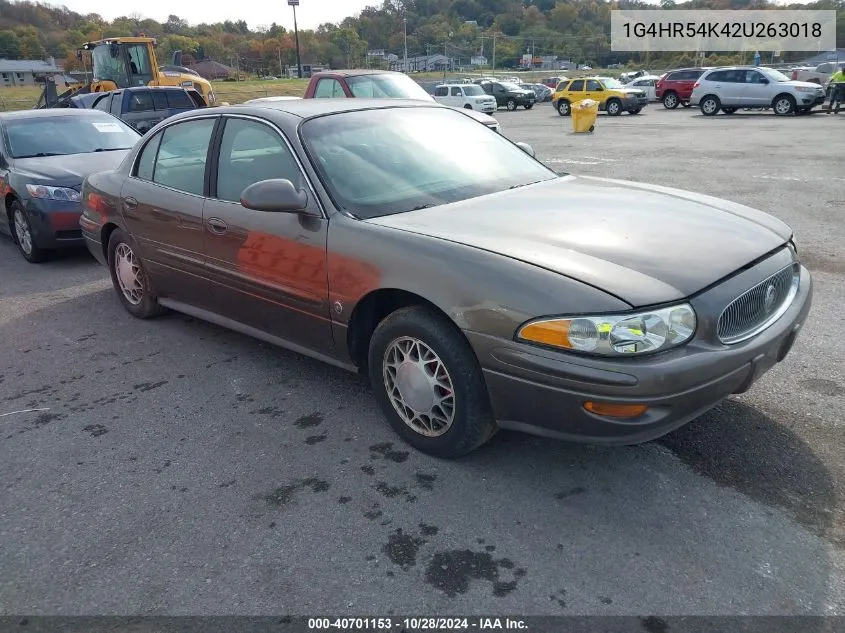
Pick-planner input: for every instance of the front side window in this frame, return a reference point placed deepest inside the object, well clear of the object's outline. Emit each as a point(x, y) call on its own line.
point(179, 99)
point(473, 91)
point(593, 85)
point(141, 101)
point(329, 89)
point(456, 92)
point(391, 160)
point(139, 59)
point(251, 152)
point(62, 135)
point(109, 65)
point(103, 104)
point(182, 156)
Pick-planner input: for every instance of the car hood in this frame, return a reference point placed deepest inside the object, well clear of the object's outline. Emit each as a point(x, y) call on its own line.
point(630, 91)
point(798, 84)
point(645, 244)
point(486, 119)
point(67, 171)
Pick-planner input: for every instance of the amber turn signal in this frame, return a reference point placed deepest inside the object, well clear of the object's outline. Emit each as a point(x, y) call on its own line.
point(615, 410)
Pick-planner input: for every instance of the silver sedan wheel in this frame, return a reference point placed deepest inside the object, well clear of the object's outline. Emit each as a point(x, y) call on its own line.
point(783, 106)
point(22, 232)
point(419, 386)
point(128, 274)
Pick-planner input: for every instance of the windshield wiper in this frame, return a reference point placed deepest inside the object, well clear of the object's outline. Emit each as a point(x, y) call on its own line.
point(525, 184)
point(109, 149)
point(40, 155)
point(421, 207)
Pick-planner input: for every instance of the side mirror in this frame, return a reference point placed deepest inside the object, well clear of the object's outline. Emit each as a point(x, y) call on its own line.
point(764, 81)
point(525, 147)
point(277, 194)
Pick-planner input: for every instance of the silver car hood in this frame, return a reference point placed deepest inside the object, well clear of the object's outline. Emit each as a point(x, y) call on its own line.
point(645, 244)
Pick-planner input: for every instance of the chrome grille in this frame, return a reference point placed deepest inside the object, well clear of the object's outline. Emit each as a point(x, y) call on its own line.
point(757, 308)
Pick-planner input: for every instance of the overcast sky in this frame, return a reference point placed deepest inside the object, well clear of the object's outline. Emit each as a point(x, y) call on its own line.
point(309, 14)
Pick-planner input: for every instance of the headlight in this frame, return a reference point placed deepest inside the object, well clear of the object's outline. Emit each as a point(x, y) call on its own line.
point(804, 89)
point(617, 334)
point(53, 193)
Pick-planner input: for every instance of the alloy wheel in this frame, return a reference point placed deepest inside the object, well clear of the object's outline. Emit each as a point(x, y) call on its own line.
point(22, 232)
point(129, 275)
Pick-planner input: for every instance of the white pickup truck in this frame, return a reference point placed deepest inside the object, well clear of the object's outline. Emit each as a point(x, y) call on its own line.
point(819, 75)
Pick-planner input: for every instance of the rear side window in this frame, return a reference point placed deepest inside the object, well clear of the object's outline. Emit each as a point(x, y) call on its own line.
point(116, 103)
point(104, 104)
point(140, 101)
point(179, 99)
point(146, 163)
point(441, 91)
point(716, 75)
point(576, 85)
point(159, 100)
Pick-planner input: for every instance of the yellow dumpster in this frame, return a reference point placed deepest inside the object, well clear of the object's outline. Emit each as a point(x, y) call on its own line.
point(584, 114)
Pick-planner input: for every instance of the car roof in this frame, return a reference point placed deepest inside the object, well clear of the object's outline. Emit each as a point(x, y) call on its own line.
point(307, 108)
point(357, 71)
point(51, 112)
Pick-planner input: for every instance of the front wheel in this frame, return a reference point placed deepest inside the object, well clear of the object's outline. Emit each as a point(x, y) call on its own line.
point(428, 383)
point(729, 110)
point(710, 105)
point(467, 106)
point(563, 108)
point(614, 107)
point(511, 104)
point(635, 111)
point(129, 279)
point(784, 105)
point(22, 232)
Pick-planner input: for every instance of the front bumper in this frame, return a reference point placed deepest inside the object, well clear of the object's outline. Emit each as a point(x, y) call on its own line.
point(635, 103)
point(54, 223)
point(543, 392)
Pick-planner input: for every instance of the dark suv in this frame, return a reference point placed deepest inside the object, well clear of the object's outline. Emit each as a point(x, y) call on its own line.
point(676, 86)
point(143, 107)
point(510, 95)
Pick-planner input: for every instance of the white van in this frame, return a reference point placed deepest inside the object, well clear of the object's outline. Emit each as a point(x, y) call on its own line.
point(469, 96)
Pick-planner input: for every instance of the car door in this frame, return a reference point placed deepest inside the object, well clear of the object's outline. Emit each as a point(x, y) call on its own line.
point(162, 204)
point(269, 269)
point(575, 91)
point(593, 90)
point(757, 90)
point(456, 97)
point(727, 86)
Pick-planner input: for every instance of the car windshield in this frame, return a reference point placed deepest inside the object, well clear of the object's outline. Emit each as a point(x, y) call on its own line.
point(610, 84)
point(776, 75)
point(62, 135)
point(473, 91)
point(380, 162)
point(507, 85)
point(387, 87)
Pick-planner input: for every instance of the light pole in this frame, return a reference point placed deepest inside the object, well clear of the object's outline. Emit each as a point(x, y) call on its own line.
point(294, 4)
point(405, 28)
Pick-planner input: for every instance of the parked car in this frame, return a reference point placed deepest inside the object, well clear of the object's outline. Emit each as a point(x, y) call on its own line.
point(510, 95)
point(675, 87)
point(728, 89)
point(467, 96)
point(378, 84)
point(543, 93)
point(613, 97)
point(44, 155)
point(820, 74)
point(335, 228)
point(142, 107)
point(646, 83)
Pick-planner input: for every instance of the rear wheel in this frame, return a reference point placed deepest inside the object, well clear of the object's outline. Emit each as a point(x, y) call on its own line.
point(23, 235)
point(563, 108)
point(428, 383)
point(670, 100)
point(129, 279)
point(710, 105)
point(614, 107)
point(511, 104)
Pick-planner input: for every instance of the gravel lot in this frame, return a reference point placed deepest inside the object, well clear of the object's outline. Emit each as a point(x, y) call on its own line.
point(180, 468)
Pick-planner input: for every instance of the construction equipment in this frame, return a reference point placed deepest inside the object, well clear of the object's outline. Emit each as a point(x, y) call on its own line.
point(123, 62)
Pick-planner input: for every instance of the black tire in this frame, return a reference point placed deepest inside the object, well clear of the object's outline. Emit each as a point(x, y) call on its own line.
point(22, 235)
point(472, 419)
point(467, 106)
point(147, 306)
point(563, 108)
point(635, 111)
point(710, 105)
point(529, 106)
point(729, 110)
point(783, 105)
point(613, 107)
point(511, 104)
point(670, 100)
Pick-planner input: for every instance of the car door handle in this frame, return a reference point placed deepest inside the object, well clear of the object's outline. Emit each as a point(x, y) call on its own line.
point(130, 203)
point(217, 226)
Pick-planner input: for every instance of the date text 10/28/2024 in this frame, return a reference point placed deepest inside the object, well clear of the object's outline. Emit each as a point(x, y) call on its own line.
point(417, 624)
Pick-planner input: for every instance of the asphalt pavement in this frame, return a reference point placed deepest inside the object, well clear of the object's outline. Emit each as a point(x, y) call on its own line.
point(173, 467)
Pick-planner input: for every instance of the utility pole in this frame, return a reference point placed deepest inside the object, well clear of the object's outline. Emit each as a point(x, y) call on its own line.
point(294, 4)
point(405, 25)
point(281, 72)
point(532, 53)
point(493, 72)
